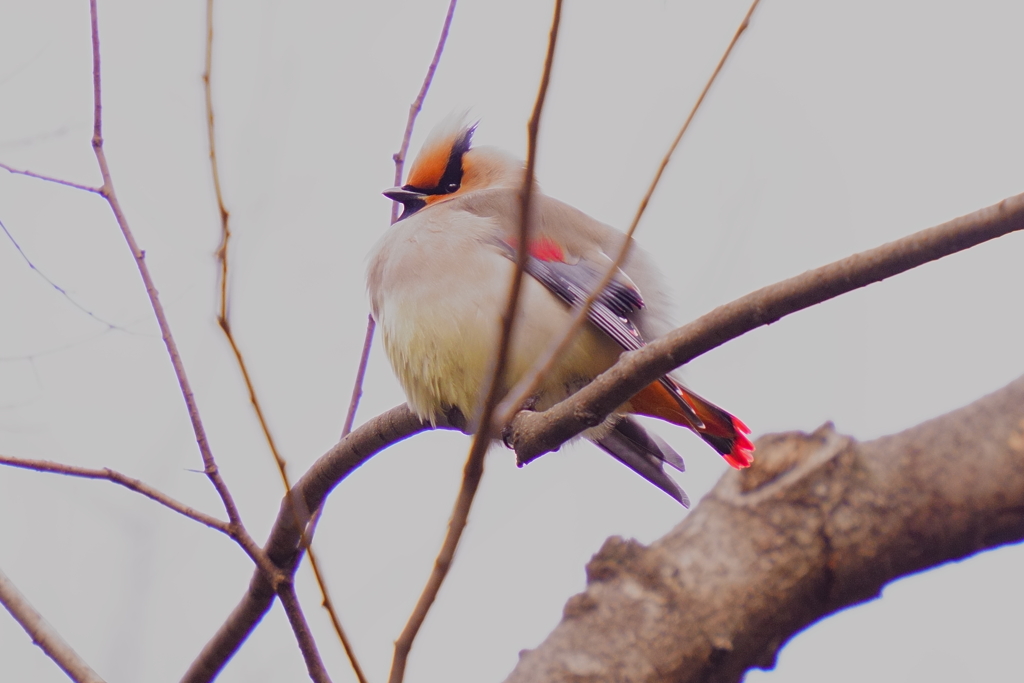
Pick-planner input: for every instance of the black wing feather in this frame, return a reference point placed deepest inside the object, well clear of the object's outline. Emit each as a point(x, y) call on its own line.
point(572, 283)
point(645, 454)
point(627, 441)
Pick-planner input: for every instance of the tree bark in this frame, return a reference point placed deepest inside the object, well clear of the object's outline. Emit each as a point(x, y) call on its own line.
point(819, 523)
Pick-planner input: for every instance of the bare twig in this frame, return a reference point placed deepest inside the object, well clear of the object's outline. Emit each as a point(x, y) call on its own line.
point(315, 665)
point(49, 179)
point(225, 216)
point(63, 292)
point(225, 326)
point(329, 606)
point(357, 387)
point(474, 468)
point(232, 530)
point(106, 190)
point(284, 544)
point(44, 635)
point(417, 104)
point(534, 434)
point(122, 480)
point(542, 367)
point(399, 159)
point(108, 193)
point(240, 534)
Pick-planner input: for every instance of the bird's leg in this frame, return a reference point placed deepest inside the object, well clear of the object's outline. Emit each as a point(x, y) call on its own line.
point(506, 431)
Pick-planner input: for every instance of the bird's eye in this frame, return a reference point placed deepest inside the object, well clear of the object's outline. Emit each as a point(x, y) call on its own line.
point(452, 187)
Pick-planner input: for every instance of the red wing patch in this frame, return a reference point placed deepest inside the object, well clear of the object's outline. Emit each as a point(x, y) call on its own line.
point(542, 249)
point(546, 250)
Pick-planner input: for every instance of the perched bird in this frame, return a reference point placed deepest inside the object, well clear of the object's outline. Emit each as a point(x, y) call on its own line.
point(438, 283)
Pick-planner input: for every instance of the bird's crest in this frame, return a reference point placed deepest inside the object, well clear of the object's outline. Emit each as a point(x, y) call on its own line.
point(438, 167)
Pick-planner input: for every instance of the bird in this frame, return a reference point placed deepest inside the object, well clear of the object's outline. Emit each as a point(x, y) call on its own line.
point(438, 283)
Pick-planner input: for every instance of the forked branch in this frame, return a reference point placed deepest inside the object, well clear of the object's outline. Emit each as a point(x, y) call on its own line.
point(107, 192)
point(284, 544)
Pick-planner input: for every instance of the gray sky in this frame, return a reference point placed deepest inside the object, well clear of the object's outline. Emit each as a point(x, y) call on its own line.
point(835, 127)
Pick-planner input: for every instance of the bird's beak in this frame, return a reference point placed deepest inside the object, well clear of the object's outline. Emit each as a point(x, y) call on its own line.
point(399, 194)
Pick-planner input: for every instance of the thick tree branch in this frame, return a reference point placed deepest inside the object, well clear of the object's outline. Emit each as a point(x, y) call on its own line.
point(819, 523)
point(283, 546)
point(44, 635)
point(534, 434)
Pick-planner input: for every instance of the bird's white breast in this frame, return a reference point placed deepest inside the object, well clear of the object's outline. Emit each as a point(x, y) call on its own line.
point(438, 288)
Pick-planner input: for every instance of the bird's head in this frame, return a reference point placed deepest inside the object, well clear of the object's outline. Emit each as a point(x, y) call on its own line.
point(447, 167)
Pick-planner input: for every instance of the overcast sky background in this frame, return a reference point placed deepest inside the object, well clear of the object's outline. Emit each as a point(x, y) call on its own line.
point(834, 128)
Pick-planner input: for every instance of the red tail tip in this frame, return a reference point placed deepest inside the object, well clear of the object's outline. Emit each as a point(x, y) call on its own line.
point(741, 455)
point(739, 426)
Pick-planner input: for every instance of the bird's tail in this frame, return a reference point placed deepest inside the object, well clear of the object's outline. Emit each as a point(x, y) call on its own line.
point(668, 400)
point(646, 454)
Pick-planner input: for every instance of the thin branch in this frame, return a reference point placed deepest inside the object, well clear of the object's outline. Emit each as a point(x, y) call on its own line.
point(241, 535)
point(315, 665)
point(399, 159)
point(63, 292)
point(533, 434)
point(417, 104)
point(542, 367)
point(232, 530)
point(57, 349)
point(357, 387)
point(284, 546)
point(225, 326)
point(122, 480)
point(329, 606)
point(108, 193)
point(50, 179)
point(44, 635)
point(474, 468)
point(225, 228)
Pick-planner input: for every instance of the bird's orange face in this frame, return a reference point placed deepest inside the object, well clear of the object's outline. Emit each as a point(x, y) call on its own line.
point(439, 172)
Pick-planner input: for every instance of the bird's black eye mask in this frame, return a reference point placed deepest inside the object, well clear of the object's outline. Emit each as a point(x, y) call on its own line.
point(451, 179)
